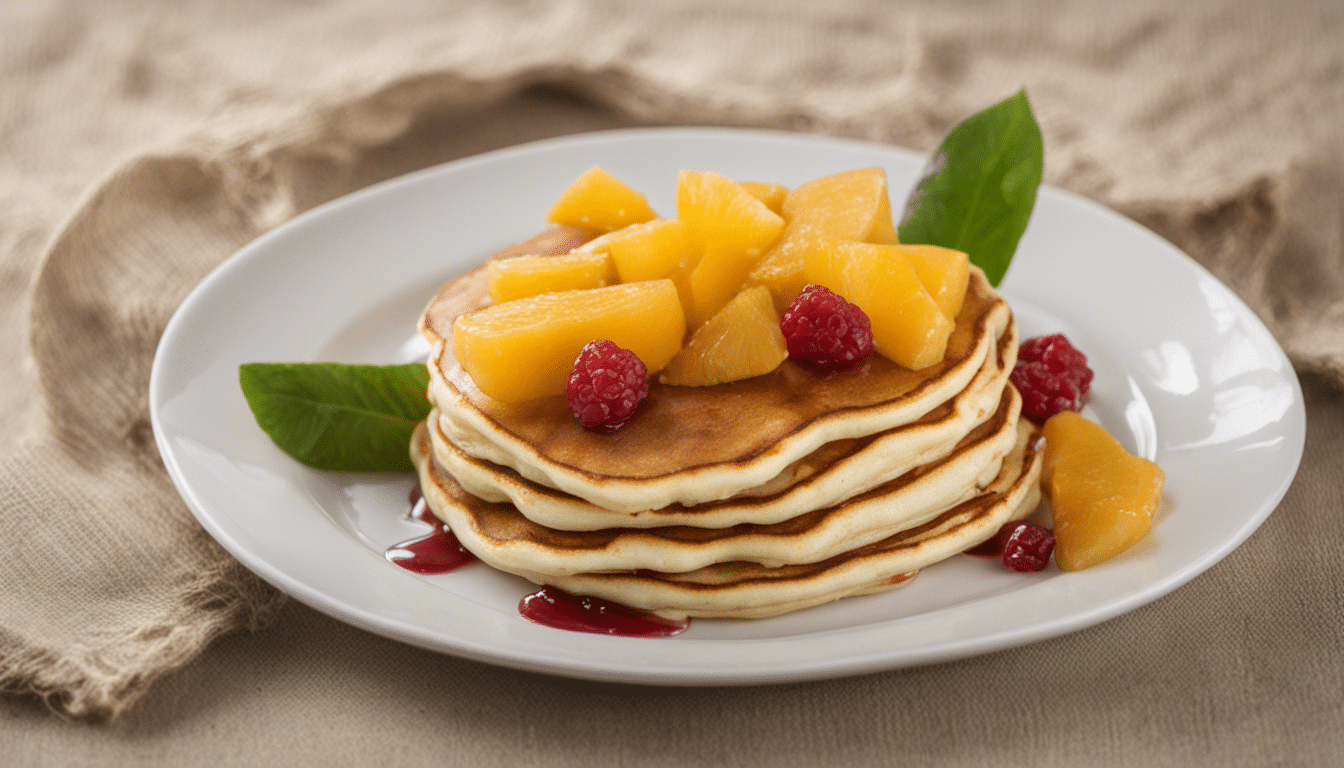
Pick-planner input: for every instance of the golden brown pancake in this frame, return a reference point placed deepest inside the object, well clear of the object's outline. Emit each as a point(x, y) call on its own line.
point(517, 543)
point(751, 590)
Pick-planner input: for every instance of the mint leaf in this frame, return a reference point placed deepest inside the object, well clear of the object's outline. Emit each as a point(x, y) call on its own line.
point(978, 190)
point(356, 418)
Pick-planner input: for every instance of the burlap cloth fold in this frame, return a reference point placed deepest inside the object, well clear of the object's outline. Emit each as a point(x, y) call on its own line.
point(142, 143)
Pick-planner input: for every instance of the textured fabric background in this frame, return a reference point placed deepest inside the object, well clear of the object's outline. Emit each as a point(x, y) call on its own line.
point(143, 142)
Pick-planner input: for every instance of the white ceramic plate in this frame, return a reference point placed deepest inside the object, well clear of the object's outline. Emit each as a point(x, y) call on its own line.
point(1185, 375)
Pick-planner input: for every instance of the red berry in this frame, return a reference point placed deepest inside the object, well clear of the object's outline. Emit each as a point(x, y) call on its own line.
point(824, 331)
point(606, 386)
point(1052, 377)
point(1026, 546)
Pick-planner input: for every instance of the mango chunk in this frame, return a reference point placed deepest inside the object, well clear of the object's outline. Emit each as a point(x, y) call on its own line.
point(1102, 498)
point(647, 251)
point(598, 200)
point(726, 230)
point(742, 340)
point(851, 205)
point(908, 326)
point(524, 276)
point(771, 194)
point(944, 272)
point(525, 348)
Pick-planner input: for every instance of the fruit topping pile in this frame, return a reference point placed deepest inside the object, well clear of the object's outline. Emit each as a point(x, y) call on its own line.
point(698, 297)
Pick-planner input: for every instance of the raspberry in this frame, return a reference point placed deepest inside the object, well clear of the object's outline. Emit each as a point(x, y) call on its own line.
point(824, 331)
point(1026, 546)
point(606, 386)
point(1052, 377)
point(1022, 546)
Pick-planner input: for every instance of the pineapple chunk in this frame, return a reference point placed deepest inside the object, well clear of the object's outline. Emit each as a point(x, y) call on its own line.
point(523, 276)
point(647, 251)
point(741, 341)
point(1102, 498)
point(726, 230)
point(598, 200)
point(771, 194)
point(944, 272)
point(851, 205)
point(908, 326)
point(526, 348)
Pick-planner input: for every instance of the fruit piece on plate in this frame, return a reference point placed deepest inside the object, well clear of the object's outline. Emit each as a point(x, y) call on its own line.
point(742, 340)
point(647, 251)
point(1051, 375)
point(944, 272)
point(1102, 497)
point(908, 327)
point(523, 276)
point(598, 200)
point(726, 230)
point(526, 348)
point(771, 194)
point(851, 205)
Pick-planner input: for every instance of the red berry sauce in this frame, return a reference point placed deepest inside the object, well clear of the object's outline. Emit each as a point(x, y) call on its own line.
point(440, 552)
point(436, 552)
point(988, 548)
point(556, 608)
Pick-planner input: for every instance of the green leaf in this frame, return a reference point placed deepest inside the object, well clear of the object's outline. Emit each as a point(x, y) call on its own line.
point(980, 187)
point(356, 418)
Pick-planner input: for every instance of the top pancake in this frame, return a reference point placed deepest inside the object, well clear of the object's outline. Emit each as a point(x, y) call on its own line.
point(689, 445)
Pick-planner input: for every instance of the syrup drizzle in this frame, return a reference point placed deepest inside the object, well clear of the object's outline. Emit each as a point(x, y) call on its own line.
point(439, 551)
point(556, 608)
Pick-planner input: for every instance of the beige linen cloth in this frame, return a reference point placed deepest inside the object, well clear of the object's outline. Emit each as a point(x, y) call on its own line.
point(142, 143)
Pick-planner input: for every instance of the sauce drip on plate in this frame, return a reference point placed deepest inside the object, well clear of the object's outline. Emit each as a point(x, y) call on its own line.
point(436, 552)
point(556, 608)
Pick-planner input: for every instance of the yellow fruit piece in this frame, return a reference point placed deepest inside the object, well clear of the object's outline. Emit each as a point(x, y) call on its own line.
point(771, 194)
point(944, 272)
point(726, 231)
point(647, 251)
point(908, 327)
point(1102, 498)
point(526, 348)
point(851, 205)
point(598, 200)
point(741, 341)
point(781, 271)
point(523, 276)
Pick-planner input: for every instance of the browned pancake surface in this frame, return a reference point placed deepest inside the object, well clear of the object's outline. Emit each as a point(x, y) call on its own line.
point(502, 523)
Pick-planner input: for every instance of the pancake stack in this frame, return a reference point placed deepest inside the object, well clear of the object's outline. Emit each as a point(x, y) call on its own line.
point(747, 499)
